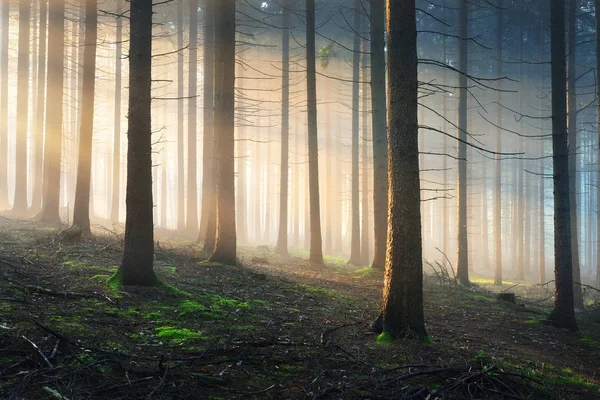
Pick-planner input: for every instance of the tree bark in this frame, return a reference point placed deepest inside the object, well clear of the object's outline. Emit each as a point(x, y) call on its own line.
point(282, 234)
point(463, 248)
point(116, 168)
point(180, 156)
point(81, 208)
point(597, 20)
point(137, 264)
point(4, 203)
point(191, 220)
point(20, 200)
point(563, 313)
point(225, 246)
point(379, 132)
point(365, 237)
point(402, 309)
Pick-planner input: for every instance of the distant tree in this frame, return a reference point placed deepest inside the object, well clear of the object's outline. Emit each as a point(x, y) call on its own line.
point(463, 245)
point(81, 208)
point(402, 309)
point(225, 245)
point(180, 100)
point(4, 203)
point(563, 313)
point(20, 200)
point(379, 131)
point(191, 221)
point(355, 257)
point(365, 236)
point(36, 202)
point(572, 127)
point(282, 235)
point(54, 114)
point(138, 255)
point(316, 245)
point(116, 167)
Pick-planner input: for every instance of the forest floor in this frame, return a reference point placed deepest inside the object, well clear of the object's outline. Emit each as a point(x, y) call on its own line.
point(271, 328)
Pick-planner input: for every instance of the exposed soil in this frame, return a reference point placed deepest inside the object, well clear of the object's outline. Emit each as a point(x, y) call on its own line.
point(276, 328)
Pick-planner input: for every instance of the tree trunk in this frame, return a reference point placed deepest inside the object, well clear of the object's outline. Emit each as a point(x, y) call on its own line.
point(520, 215)
point(4, 203)
point(379, 132)
point(597, 19)
point(463, 249)
point(282, 235)
point(225, 246)
point(116, 168)
point(355, 257)
point(542, 199)
point(81, 208)
point(20, 200)
point(572, 141)
point(241, 197)
point(563, 313)
point(137, 265)
point(208, 212)
point(296, 174)
point(365, 239)
point(191, 221)
point(180, 157)
point(54, 114)
point(36, 201)
point(402, 309)
point(316, 245)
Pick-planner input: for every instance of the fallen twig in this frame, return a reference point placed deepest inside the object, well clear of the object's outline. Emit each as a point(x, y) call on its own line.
point(35, 346)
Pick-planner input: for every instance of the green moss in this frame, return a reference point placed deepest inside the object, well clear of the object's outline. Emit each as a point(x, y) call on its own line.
point(74, 264)
point(426, 339)
point(176, 335)
point(188, 307)
point(364, 271)
point(171, 289)
point(114, 283)
point(384, 338)
point(534, 321)
point(481, 297)
point(100, 277)
point(588, 340)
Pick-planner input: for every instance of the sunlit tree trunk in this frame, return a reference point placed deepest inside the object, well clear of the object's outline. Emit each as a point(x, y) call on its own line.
point(282, 235)
point(563, 314)
point(36, 201)
point(241, 196)
point(191, 217)
point(329, 180)
point(379, 132)
point(137, 264)
point(180, 156)
point(208, 212)
point(365, 237)
point(463, 249)
point(4, 203)
point(116, 168)
point(54, 114)
point(573, 139)
point(81, 210)
point(20, 199)
point(445, 203)
point(164, 157)
point(296, 180)
point(355, 257)
point(225, 246)
point(402, 308)
point(519, 216)
point(316, 245)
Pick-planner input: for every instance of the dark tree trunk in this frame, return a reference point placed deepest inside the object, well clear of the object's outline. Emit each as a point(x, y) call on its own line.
point(597, 19)
point(36, 202)
point(445, 203)
point(296, 177)
point(402, 309)
point(519, 217)
point(180, 157)
point(563, 313)
point(191, 221)
point(282, 235)
point(463, 245)
point(365, 237)
point(542, 199)
point(355, 257)
point(225, 246)
point(116, 168)
point(572, 142)
point(137, 265)
point(316, 245)
point(379, 132)
point(208, 212)
point(54, 114)
point(4, 203)
point(81, 208)
point(20, 200)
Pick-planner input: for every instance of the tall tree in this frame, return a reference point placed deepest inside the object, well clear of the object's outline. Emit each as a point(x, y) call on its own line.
point(54, 114)
point(355, 257)
point(180, 156)
point(597, 20)
point(191, 221)
point(81, 208)
point(402, 309)
point(225, 245)
point(572, 141)
point(20, 200)
point(36, 201)
point(4, 203)
point(379, 132)
point(463, 246)
point(282, 235)
point(316, 244)
point(563, 313)
point(364, 236)
point(116, 167)
point(138, 254)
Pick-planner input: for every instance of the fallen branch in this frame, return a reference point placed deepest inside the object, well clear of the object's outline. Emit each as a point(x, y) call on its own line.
point(35, 346)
